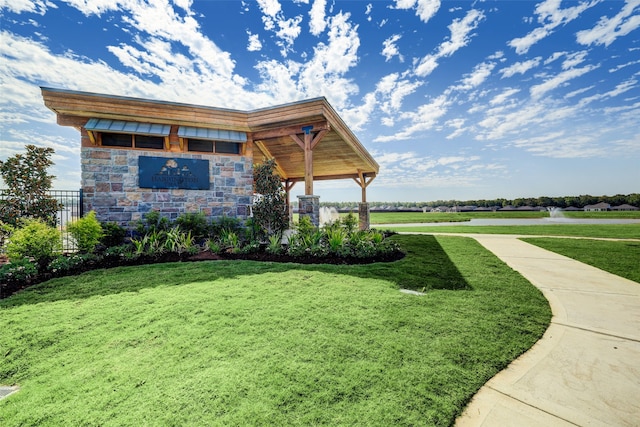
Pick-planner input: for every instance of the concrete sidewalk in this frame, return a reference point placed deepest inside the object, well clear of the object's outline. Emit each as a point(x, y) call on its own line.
point(585, 371)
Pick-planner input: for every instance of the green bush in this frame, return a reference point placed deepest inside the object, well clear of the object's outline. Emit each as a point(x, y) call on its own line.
point(194, 222)
point(275, 244)
point(152, 222)
point(87, 232)
point(20, 270)
point(63, 265)
point(113, 235)
point(34, 239)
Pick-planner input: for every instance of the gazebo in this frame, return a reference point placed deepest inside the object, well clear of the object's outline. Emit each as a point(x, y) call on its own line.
point(140, 154)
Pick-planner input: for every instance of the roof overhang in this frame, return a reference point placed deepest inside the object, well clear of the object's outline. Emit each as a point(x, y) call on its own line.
point(338, 155)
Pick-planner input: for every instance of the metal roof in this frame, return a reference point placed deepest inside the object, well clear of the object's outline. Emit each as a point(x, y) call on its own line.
point(213, 134)
point(120, 126)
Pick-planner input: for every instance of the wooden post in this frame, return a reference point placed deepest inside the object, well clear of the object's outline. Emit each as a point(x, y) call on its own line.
point(308, 162)
point(363, 181)
point(308, 145)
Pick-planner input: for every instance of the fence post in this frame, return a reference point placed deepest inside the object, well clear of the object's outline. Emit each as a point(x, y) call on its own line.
point(81, 197)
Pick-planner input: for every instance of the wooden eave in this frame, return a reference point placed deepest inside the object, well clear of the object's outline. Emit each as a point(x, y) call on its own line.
point(338, 155)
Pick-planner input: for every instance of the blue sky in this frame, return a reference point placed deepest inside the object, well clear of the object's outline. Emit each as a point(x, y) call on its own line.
point(454, 99)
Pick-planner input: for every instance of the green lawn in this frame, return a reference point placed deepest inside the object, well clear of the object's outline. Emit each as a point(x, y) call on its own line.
point(621, 258)
point(618, 231)
point(419, 217)
point(249, 343)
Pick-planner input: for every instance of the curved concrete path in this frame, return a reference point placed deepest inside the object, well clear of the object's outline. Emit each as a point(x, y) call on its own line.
point(585, 370)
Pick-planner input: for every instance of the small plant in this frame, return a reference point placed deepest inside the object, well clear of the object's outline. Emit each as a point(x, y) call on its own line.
point(336, 238)
point(195, 223)
point(226, 224)
point(113, 234)
point(87, 232)
point(36, 240)
point(212, 246)
point(275, 244)
point(152, 222)
point(178, 241)
point(251, 247)
point(350, 223)
point(20, 270)
point(305, 227)
point(125, 252)
point(63, 265)
point(230, 241)
point(5, 231)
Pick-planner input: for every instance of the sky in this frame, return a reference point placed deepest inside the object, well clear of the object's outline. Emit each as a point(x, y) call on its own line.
point(461, 100)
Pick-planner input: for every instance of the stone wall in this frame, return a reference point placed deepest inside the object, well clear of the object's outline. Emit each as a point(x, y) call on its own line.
point(110, 185)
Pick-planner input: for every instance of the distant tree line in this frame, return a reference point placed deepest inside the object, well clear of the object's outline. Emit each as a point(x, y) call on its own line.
point(544, 201)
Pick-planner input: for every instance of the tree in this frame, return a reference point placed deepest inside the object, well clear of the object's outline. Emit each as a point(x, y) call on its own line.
point(27, 181)
point(270, 210)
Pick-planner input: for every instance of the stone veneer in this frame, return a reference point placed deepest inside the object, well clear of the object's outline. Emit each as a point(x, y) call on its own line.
point(110, 186)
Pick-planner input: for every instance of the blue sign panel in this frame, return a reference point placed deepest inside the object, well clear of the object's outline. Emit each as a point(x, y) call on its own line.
point(163, 172)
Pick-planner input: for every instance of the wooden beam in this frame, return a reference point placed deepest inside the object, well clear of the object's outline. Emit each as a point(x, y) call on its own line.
point(363, 181)
point(268, 155)
point(92, 137)
point(288, 130)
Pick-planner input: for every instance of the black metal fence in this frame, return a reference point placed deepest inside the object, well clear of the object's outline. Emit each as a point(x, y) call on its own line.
point(70, 209)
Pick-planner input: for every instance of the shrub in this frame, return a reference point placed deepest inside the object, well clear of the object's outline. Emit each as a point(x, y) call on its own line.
point(120, 252)
point(212, 246)
point(226, 224)
point(275, 244)
point(229, 241)
point(195, 223)
point(350, 223)
point(113, 234)
point(179, 241)
point(87, 232)
point(5, 233)
point(63, 265)
point(20, 270)
point(152, 222)
point(36, 240)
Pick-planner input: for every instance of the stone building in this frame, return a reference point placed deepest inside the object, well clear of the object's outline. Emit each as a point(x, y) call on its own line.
point(139, 155)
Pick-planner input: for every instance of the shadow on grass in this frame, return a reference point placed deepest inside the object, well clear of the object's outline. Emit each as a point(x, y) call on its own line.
point(426, 266)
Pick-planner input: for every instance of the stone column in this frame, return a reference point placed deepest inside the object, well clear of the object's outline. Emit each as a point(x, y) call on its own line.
point(309, 206)
point(363, 215)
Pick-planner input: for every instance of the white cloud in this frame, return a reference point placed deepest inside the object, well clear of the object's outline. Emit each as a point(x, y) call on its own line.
point(503, 97)
point(33, 6)
point(480, 73)
point(550, 16)
point(461, 33)
point(390, 49)
point(607, 30)
point(254, 42)
point(269, 7)
point(559, 79)
point(425, 9)
point(424, 118)
point(520, 67)
point(317, 21)
point(322, 74)
point(286, 30)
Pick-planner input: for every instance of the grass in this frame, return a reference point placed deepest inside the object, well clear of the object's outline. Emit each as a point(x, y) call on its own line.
point(419, 217)
point(621, 258)
point(249, 343)
point(618, 231)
